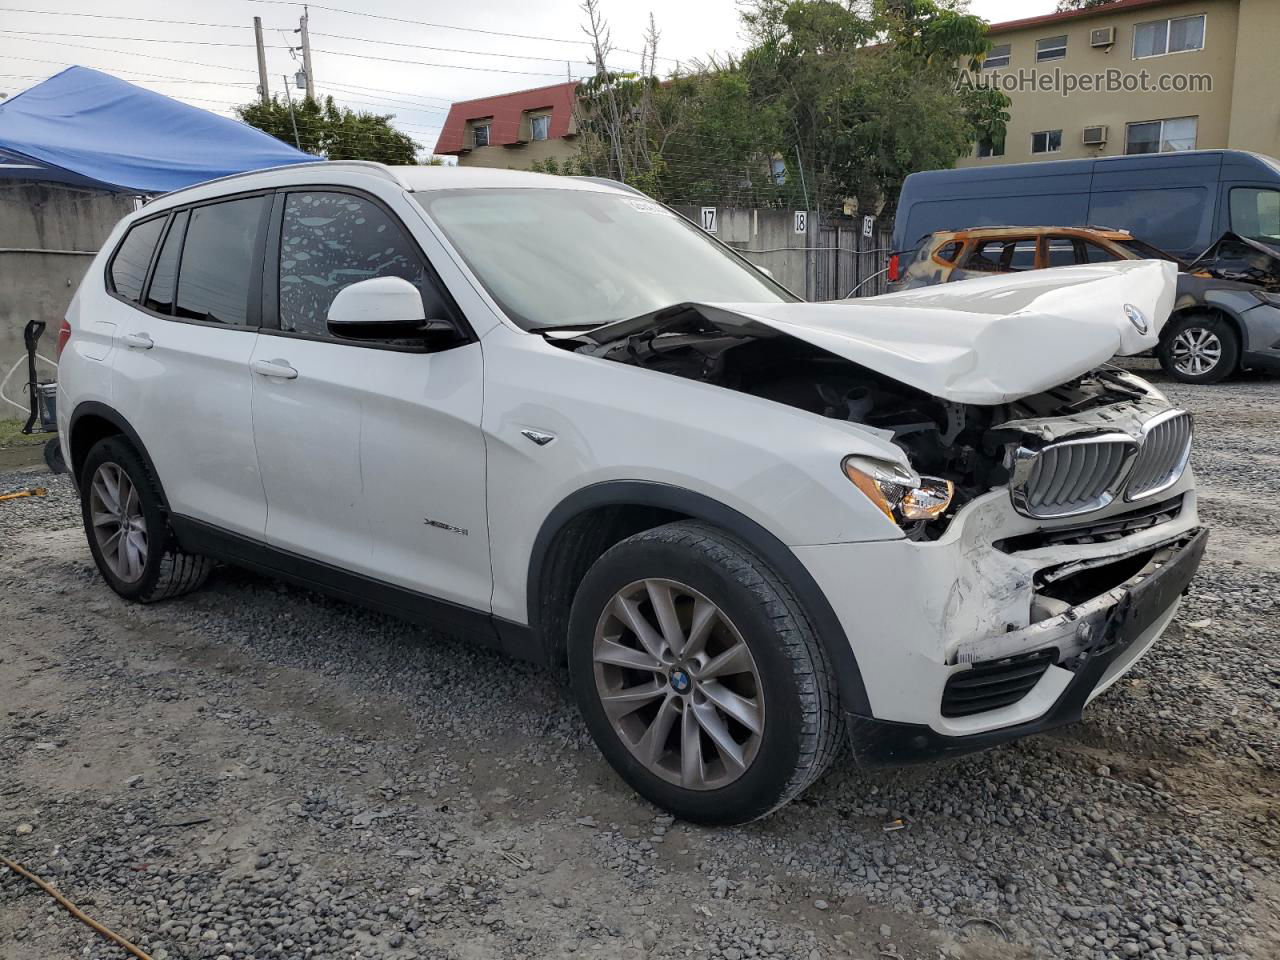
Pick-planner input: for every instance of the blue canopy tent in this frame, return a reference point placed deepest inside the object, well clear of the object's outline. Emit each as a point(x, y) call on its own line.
point(91, 129)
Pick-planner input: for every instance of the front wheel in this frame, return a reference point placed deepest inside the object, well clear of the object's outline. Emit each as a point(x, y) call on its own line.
point(699, 675)
point(1200, 348)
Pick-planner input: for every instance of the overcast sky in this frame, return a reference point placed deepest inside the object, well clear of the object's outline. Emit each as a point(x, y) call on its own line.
point(207, 57)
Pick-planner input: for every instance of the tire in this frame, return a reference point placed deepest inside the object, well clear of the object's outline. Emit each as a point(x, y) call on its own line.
point(783, 685)
point(53, 456)
point(152, 566)
point(1195, 340)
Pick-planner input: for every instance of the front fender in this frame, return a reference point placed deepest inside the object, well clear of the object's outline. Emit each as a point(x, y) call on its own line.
point(781, 558)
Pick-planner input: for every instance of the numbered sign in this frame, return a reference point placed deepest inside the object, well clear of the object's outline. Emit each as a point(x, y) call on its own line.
point(868, 224)
point(802, 221)
point(709, 219)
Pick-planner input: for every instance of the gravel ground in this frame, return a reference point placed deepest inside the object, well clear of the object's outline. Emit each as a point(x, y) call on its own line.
point(257, 771)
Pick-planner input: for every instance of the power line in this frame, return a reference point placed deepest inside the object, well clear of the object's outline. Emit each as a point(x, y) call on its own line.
point(449, 26)
point(36, 36)
point(98, 36)
point(110, 16)
point(420, 46)
point(420, 63)
point(130, 53)
point(580, 41)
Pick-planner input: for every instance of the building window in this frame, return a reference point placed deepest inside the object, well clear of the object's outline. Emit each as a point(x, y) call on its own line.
point(541, 127)
point(1046, 141)
point(989, 148)
point(1160, 136)
point(1158, 37)
point(1051, 48)
point(480, 135)
point(997, 57)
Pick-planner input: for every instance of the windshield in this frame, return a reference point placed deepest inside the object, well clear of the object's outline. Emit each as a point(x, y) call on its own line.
point(1145, 251)
point(558, 258)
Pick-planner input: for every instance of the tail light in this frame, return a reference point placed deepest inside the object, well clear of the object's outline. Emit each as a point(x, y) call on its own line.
point(894, 268)
point(64, 334)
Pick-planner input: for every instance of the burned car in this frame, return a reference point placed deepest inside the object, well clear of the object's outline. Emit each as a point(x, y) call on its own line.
point(552, 416)
point(1226, 316)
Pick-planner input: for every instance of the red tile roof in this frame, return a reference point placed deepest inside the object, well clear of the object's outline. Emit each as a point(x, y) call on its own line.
point(506, 111)
point(1120, 6)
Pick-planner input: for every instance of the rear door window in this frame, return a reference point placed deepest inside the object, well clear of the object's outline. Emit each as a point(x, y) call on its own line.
point(164, 279)
point(218, 261)
point(1003, 256)
point(1061, 252)
point(330, 240)
point(133, 256)
point(1092, 253)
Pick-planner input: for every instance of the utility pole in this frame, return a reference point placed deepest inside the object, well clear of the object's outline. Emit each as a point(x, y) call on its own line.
point(292, 119)
point(262, 61)
point(306, 55)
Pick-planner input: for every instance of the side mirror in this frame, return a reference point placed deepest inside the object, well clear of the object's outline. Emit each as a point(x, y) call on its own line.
point(382, 308)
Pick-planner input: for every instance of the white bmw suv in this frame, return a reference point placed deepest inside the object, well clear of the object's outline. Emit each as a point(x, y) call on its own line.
point(549, 414)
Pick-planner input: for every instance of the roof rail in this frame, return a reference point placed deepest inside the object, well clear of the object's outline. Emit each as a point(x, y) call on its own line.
point(356, 166)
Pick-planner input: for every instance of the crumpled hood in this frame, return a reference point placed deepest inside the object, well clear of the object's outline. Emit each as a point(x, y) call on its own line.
point(984, 341)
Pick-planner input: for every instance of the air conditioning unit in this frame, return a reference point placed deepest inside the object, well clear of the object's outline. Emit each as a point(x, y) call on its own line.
point(1095, 136)
point(1103, 37)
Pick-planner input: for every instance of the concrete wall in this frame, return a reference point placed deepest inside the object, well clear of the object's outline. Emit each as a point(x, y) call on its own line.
point(768, 239)
point(826, 262)
point(1039, 110)
point(45, 217)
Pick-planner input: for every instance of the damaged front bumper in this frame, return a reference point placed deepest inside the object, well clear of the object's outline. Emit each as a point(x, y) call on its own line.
point(1005, 626)
point(1096, 643)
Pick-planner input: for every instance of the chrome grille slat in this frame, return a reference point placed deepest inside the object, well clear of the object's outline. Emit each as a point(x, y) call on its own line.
point(1072, 477)
point(1166, 448)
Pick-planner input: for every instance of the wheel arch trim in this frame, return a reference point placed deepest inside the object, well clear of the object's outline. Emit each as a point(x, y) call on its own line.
point(644, 493)
point(95, 408)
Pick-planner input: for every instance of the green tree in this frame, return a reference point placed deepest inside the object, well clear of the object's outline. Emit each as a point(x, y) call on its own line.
point(834, 99)
point(1068, 6)
point(330, 131)
point(870, 90)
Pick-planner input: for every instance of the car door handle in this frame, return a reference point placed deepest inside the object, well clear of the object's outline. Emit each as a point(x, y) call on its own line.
point(279, 369)
point(139, 341)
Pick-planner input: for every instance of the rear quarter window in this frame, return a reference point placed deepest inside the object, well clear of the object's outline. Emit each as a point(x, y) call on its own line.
point(133, 256)
point(948, 252)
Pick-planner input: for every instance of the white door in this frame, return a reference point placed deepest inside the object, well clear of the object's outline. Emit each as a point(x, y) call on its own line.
point(181, 368)
point(371, 453)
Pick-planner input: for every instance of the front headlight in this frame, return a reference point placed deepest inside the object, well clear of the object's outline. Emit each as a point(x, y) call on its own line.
point(1267, 297)
point(900, 495)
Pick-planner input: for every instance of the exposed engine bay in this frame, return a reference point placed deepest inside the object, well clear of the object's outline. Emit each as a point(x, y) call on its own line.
point(963, 443)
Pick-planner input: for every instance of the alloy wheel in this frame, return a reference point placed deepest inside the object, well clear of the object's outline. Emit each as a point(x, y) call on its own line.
point(1196, 351)
point(119, 526)
point(678, 684)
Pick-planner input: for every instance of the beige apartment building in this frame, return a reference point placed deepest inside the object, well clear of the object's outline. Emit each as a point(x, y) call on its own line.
point(1137, 76)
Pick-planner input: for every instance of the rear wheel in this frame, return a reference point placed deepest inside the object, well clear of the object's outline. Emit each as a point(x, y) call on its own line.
point(129, 535)
point(1200, 348)
point(699, 675)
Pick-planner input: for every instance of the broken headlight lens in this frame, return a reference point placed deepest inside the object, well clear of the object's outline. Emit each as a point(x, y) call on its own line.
point(900, 495)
